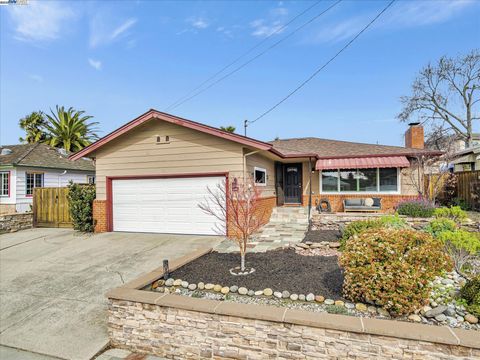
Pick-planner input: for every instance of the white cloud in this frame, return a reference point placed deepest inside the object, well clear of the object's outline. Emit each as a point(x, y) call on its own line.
point(405, 14)
point(96, 64)
point(102, 33)
point(39, 21)
point(36, 77)
point(263, 29)
point(198, 23)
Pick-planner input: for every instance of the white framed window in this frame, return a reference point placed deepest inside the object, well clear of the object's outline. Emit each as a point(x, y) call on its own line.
point(32, 181)
point(355, 181)
point(91, 179)
point(5, 183)
point(260, 176)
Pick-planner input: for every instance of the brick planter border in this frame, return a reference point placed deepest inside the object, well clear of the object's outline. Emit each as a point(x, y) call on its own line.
point(137, 319)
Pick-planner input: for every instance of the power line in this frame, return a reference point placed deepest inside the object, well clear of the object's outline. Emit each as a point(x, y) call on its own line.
point(278, 30)
point(324, 65)
point(255, 57)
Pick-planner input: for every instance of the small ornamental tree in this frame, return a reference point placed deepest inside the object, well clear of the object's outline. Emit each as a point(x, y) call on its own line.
point(80, 199)
point(237, 207)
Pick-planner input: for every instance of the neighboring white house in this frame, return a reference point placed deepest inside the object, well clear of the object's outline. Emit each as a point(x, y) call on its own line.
point(27, 166)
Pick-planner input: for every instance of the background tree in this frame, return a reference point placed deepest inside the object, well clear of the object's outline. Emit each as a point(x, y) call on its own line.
point(446, 95)
point(229, 128)
point(70, 129)
point(33, 125)
point(239, 202)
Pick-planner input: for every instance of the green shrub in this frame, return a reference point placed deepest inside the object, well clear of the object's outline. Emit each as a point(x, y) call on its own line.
point(80, 199)
point(461, 245)
point(455, 213)
point(439, 225)
point(334, 309)
point(392, 268)
point(416, 208)
point(357, 227)
point(471, 293)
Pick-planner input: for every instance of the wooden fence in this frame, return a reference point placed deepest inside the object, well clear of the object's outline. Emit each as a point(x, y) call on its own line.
point(467, 187)
point(50, 207)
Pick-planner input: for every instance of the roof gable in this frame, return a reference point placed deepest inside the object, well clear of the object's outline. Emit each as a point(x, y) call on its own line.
point(157, 115)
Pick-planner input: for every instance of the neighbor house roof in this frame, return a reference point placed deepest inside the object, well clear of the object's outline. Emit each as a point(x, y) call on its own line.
point(330, 149)
point(43, 156)
point(289, 148)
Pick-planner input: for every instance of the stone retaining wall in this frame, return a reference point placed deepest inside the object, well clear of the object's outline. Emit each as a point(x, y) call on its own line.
point(15, 222)
point(334, 221)
point(243, 331)
point(179, 327)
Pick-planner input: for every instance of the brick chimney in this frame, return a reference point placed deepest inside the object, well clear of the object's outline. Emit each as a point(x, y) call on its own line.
point(414, 137)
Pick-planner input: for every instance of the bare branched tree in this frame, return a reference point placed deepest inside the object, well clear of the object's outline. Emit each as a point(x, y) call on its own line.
point(237, 207)
point(446, 95)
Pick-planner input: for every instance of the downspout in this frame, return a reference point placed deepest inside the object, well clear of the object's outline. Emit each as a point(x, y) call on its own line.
point(309, 189)
point(245, 163)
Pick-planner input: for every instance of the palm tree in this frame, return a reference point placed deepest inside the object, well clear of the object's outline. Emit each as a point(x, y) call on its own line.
point(69, 129)
point(33, 125)
point(229, 128)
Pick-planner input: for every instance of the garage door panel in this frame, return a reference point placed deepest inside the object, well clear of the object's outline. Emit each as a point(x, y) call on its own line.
point(163, 205)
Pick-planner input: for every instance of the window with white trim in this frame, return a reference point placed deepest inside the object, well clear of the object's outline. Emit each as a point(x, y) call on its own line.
point(374, 180)
point(91, 179)
point(33, 180)
point(4, 183)
point(260, 176)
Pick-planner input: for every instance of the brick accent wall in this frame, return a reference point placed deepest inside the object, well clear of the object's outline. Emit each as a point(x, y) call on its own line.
point(265, 208)
point(100, 215)
point(389, 202)
point(175, 333)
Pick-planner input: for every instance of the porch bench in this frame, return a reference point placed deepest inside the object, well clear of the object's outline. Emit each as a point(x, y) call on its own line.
point(358, 204)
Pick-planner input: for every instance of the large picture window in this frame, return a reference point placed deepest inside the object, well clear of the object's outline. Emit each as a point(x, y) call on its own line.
point(4, 183)
point(33, 180)
point(360, 180)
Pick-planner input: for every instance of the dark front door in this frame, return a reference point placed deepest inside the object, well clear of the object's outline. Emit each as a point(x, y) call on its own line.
point(293, 183)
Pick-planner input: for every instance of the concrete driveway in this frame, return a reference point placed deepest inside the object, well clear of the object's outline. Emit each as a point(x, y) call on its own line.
point(53, 281)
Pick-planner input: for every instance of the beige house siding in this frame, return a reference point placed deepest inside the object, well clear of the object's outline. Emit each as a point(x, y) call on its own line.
point(258, 160)
point(188, 151)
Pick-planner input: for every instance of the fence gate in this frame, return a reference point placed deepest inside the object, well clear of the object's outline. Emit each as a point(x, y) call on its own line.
point(50, 207)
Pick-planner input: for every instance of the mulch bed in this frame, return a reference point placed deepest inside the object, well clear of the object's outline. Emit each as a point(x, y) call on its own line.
point(280, 269)
point(322, 235)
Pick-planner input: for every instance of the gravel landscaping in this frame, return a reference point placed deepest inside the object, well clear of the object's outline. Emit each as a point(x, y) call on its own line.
point(280, 270)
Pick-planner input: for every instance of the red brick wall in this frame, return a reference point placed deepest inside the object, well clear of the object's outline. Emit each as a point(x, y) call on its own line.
point(336, 200)
point(100, 215)
point(414, 137)
point(265, 208)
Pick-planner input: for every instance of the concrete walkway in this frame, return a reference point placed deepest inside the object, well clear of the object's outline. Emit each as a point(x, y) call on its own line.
point(53, 281)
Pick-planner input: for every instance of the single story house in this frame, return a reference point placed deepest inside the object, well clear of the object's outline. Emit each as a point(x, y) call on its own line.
point(27, 166)
point(152, 172)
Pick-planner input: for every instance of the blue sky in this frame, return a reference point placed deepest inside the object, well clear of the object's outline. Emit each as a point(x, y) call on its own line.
point(117, 59)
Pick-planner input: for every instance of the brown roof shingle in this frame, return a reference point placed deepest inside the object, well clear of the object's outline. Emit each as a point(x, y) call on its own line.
point(326, 148)
point(42, 155)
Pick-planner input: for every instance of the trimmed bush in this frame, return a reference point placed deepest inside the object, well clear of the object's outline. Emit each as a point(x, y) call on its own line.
point(455, 213)
point(392, 268)
point(439, 225)
point(461, 245)
point(416, 208)
point(80, 197)
point(357, 227)
point(471, 293)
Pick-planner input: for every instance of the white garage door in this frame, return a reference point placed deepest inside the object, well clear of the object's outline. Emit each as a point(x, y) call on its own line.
point(163, 205)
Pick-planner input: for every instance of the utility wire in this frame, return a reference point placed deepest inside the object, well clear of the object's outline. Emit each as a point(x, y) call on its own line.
point(278, 30)
point(255, 57)
point(324, 65)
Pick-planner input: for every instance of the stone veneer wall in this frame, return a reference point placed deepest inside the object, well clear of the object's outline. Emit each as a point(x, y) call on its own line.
point(328, 221)
point(15, 222)
point(177, 333)
point(100, 216)
point(389, 202)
